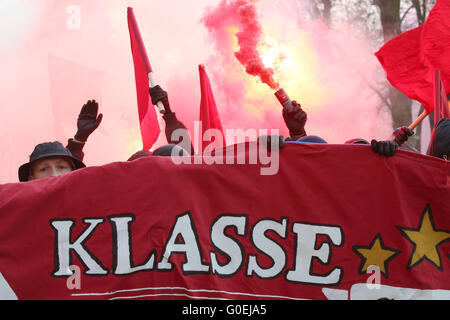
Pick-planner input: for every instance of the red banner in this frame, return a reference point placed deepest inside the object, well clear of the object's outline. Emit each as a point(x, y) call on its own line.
point(333, 222)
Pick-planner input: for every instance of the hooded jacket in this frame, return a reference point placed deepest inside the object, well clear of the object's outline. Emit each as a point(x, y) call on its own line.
point(440, 140)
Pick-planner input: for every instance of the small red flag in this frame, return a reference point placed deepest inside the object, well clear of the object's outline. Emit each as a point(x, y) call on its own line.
point(148, 119)
point(441, 103)
point(208, 110)
point(411, 58)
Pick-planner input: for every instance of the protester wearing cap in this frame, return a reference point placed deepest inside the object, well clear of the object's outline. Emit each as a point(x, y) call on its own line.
point(49, 159)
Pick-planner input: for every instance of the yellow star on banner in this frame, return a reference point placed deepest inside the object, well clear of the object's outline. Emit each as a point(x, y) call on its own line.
point(426, 238)
point(375, 254)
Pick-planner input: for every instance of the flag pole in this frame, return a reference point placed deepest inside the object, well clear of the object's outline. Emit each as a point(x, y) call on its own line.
point(419, 119)
point(152, 81)
point(133, 24)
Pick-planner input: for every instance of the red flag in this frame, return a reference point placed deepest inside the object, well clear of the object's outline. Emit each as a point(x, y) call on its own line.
point(209, 116)
point(147, 115)
point(441, 103)
point(411, 58)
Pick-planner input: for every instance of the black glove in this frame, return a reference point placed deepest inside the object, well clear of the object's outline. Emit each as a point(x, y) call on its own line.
point(158, 94)
point(88, 120)
point(384, 148)
point(295, 120)
point(401, 135)
point(267, 142)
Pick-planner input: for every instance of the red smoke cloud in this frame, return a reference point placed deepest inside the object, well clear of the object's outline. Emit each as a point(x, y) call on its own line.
point(327, 70)
point(243, 14)
point(321, 69)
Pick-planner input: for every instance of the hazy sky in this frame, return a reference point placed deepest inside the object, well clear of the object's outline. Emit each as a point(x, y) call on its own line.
point(51, 66)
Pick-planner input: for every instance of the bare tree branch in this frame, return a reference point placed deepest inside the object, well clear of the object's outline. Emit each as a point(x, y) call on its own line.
point(380, 95)
point(424, 9)
point(420, 15)
point(406, 12)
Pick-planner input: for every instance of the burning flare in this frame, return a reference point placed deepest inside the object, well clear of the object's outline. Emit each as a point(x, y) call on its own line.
point(243, 14)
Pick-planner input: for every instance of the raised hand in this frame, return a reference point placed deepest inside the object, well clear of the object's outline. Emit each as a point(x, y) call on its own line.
point(88, 120)
point(295, 120)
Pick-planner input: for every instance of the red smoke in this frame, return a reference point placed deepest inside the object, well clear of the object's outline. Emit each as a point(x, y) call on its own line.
point(243, 14)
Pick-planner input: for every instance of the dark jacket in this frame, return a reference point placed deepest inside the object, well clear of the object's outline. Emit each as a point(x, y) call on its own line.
point(440, 139)
point(76, 149)
point(172, 124)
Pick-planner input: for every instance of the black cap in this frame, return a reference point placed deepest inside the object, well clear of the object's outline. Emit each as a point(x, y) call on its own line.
point(46, 150)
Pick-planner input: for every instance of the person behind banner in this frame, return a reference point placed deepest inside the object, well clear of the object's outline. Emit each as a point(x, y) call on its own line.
point(439, 144)
point(357, 141)
point(295, 121)
point(164, 151)
point(387, 148)
point(440, 140)
point(172, 123)
point(87, 122)
point(49, 159)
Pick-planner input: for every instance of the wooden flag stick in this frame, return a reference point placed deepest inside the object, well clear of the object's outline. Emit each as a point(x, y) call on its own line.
point(419, 119)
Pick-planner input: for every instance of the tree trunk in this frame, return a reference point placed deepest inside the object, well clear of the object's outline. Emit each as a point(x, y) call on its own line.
point(400, 108)
point(390, 18)
point(400, 104)
point(421, 11)
point(326, 11)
